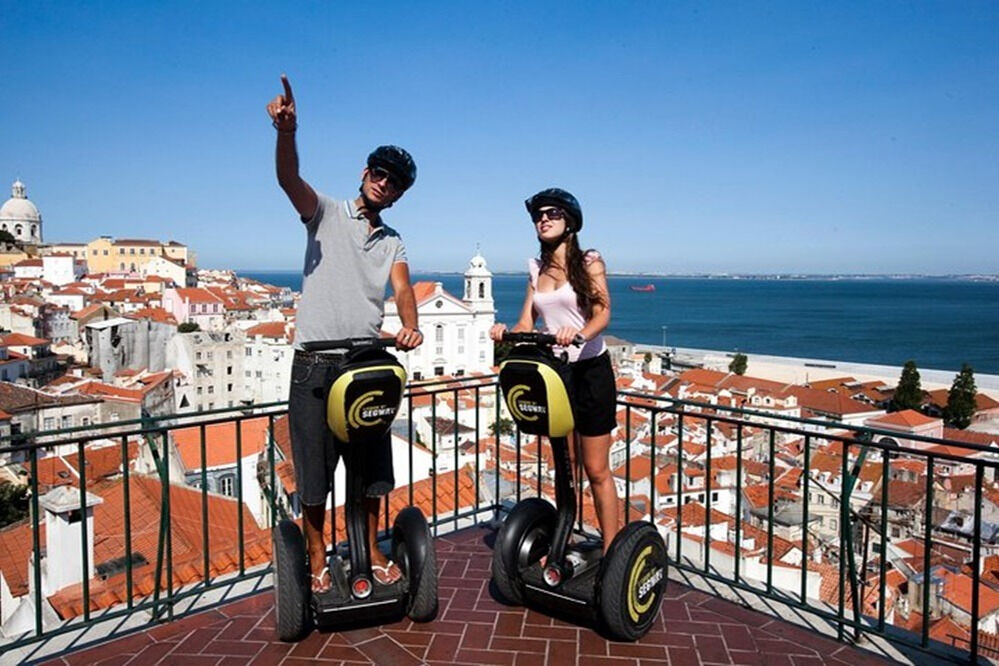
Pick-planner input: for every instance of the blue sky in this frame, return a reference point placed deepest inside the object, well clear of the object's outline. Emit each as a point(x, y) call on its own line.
point(811, 137)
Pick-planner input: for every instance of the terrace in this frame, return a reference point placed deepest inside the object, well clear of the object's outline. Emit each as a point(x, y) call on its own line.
point(183, 572)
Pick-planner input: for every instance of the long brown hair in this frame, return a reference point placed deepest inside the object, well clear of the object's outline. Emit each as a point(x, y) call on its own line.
point(575, 269)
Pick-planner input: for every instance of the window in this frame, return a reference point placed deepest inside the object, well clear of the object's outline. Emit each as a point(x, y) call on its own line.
point(131, 250)
point(247, 374)
point(258, 374)
point(714, 497)
point(209, 355)
point(227, 485)
point(228, 370)
point(461, 349)
point(85, 420)
point(48, 423)
point(482, 290)
point(211, 405)
point(105, 253)
point(249, 351)
point(438, 370)
point(228, 387)
point(228, 354)
point(121, 250)
point(114, 416)
point(142, 250)
point(199, 390)
point(482, 336)
point(67, 422)
point(122, 266)
point(197, 356)
point(461, 333)
point(417, 376)
point(833, 524)
point(211, 389)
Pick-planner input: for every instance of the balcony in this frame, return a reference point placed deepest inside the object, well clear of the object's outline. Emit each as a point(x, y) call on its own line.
point(785, 547)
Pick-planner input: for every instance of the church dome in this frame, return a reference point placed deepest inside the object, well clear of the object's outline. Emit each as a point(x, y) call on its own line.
point(18, 208)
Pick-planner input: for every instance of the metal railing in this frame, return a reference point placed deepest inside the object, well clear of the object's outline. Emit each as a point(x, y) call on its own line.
point(661, 416)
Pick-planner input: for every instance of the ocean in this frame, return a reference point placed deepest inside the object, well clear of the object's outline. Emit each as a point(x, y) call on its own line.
point(938, 323)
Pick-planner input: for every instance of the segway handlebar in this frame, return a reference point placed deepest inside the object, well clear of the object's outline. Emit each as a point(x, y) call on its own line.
point(536, 338)
point(348, 343)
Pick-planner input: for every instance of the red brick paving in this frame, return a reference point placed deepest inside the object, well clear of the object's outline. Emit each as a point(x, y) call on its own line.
point(694, 628)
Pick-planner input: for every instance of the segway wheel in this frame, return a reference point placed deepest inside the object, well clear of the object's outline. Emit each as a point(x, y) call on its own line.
point(291, 575)
point(413, 551)
point(632, 579)
point(522, 540)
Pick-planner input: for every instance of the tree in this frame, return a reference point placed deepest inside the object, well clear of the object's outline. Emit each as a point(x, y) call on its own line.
point(13, 503)
point(188, 327)
point(7, 237)
point(738, 364)
point(909, 392)
point(961, 399)
point(504, 426)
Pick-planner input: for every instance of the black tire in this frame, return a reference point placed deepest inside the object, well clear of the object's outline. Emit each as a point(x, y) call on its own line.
point(632, 577)
point(523, 539)
point(413, 550)
point(291, 578)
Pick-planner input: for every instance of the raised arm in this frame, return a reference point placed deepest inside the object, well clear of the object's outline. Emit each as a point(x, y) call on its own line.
point(285, 120)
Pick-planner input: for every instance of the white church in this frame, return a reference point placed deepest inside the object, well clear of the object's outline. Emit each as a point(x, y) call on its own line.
point(455, 331)
point(20, 217)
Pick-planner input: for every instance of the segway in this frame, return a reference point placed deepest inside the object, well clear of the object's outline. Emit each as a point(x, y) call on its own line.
point(362, 402)
point(620, 592)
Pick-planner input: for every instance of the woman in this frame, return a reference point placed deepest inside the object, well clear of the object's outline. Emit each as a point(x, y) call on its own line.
point(568, 290)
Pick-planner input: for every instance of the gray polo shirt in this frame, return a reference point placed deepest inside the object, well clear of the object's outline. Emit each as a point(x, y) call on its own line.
point(345, 274)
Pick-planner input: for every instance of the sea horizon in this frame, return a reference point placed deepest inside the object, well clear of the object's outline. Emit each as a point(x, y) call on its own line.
point(938, 323)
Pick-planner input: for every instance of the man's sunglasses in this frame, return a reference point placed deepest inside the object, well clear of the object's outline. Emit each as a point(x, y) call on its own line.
point(378, 173)
point(552, 214)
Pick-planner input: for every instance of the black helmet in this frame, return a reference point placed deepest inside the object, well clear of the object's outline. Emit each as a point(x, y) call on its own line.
point(554, 196)
point(396, 161)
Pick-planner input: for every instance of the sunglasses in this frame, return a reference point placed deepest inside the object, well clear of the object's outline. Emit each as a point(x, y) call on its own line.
point(552, 214)
point(377, 174)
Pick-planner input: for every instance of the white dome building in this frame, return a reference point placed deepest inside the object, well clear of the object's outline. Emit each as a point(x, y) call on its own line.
point(20, 217)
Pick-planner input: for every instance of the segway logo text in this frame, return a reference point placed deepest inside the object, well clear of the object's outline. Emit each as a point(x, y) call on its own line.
point(363, 414)
point(523, 410)
point(640, 587)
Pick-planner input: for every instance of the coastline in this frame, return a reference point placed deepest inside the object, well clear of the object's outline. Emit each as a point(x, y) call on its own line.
point(796, 370)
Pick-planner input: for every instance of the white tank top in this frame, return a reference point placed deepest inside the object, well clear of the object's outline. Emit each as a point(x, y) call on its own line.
point(559, 308)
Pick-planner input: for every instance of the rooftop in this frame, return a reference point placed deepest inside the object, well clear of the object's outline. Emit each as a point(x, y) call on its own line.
point(473, 628)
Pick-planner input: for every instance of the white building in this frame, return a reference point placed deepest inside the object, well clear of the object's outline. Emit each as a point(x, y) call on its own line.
point(20, 217)
point(60, 269)
point(167, 268)
point(267, 362)
point(212, 365)
point(455, 332)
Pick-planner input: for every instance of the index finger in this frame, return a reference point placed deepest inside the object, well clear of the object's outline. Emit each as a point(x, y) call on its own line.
point(287, 88)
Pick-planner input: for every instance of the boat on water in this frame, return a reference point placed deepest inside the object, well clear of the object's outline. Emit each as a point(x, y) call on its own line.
point(642, 287)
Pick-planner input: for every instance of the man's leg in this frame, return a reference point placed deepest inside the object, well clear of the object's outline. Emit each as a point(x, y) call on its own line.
point(313, 456)
point(372, 506)
point(380, 480)
point(315, 518)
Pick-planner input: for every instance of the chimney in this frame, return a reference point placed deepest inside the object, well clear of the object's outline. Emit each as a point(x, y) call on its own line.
point(63, 563)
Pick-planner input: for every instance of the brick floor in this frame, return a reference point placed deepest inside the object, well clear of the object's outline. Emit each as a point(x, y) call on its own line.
point(473, 628)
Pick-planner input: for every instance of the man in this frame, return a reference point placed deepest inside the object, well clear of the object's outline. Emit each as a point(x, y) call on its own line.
point(349, 257)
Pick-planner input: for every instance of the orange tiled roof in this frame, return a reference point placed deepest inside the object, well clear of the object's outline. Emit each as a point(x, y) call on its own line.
point(220, 442)
point(909, 418)
point(21, 340)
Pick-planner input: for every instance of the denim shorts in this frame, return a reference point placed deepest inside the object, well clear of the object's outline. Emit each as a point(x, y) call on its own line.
point(315, 451)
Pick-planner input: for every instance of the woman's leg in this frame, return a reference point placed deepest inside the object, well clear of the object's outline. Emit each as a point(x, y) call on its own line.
point(596, 461)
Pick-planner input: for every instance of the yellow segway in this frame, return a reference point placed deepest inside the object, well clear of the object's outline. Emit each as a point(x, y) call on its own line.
point(621, 592)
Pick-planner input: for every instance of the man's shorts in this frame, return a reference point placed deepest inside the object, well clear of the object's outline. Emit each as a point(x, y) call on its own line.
point(315, 450)
point(594, 396)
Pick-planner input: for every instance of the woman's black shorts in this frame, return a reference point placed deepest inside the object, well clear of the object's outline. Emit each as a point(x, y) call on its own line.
point(594, 396)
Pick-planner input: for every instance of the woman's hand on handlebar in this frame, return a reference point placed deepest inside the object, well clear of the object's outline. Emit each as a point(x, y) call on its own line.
point(497, 331)
point(567, 335)
point(408, 338)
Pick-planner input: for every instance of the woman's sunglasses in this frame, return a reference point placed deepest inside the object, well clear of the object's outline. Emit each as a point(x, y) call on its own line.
point(552, 214)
